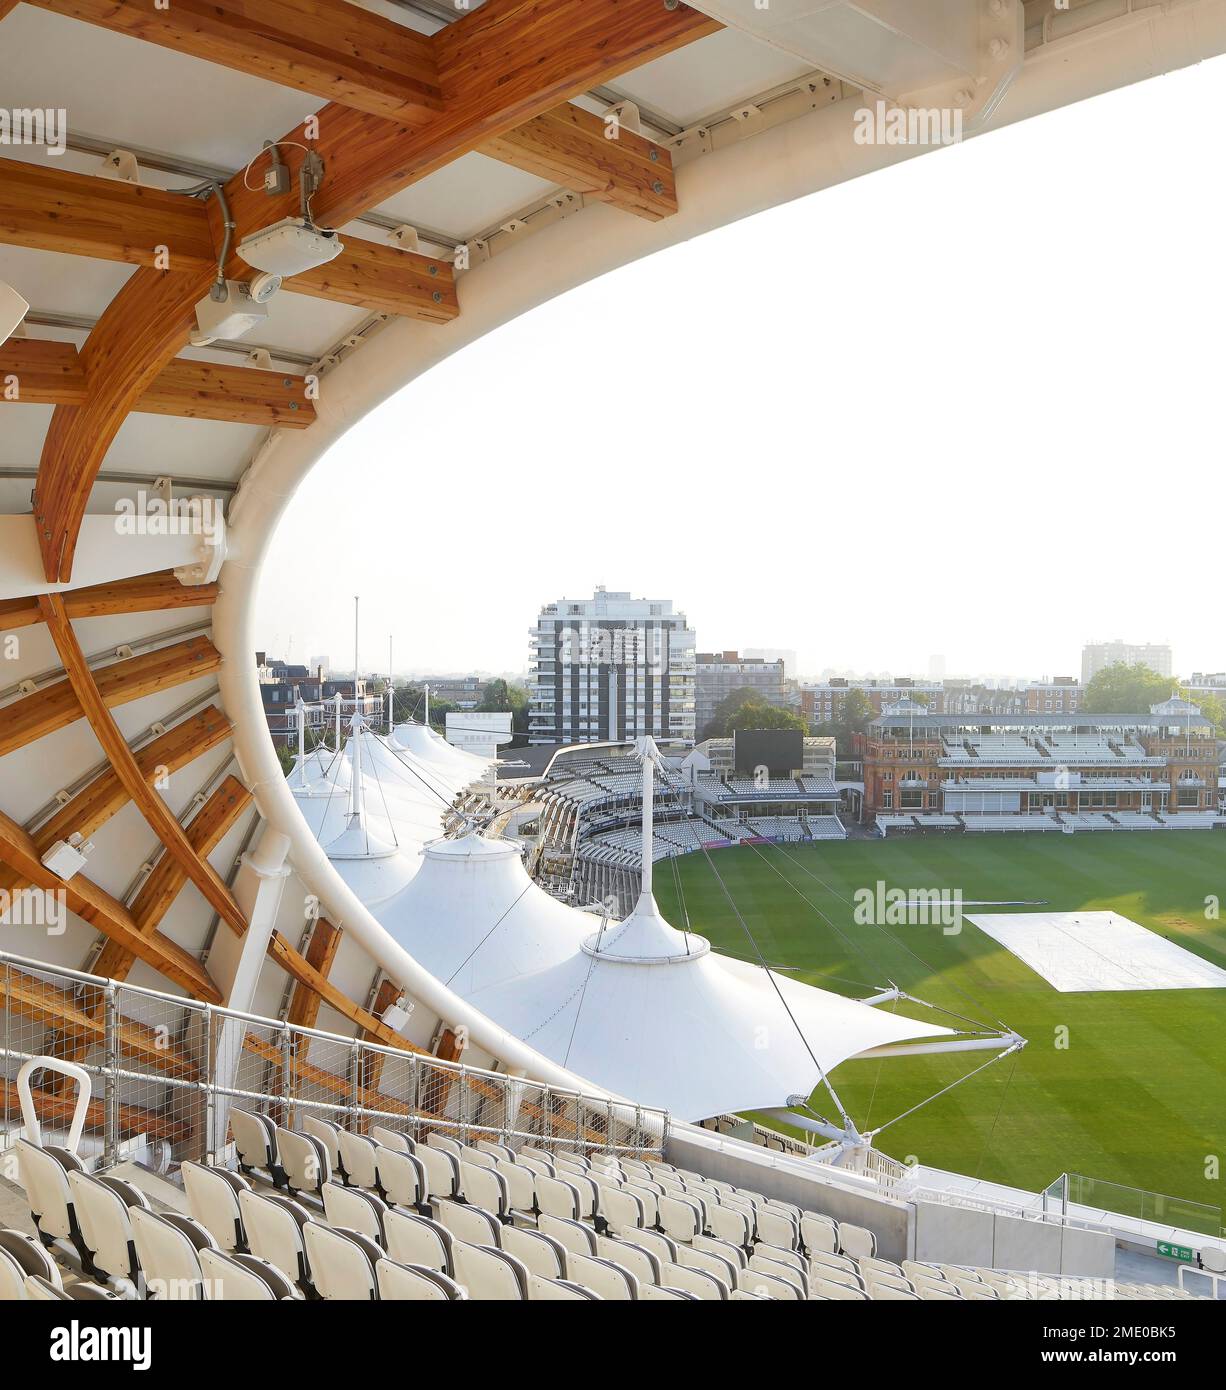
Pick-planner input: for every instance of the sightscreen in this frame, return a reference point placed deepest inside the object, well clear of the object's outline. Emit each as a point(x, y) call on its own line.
point(780, 750)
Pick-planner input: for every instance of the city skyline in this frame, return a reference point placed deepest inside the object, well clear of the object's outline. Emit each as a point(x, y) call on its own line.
point(903, 498)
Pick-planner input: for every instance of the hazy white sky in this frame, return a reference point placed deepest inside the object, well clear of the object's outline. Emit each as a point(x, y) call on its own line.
point(971, 405)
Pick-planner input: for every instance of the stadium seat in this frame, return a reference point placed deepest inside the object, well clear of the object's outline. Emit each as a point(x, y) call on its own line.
point(274, 1227)
point(167, 1246)
point(413, 1239)
point(255, 1141)
point(102, 1206)
point(354, 1209)
point(304, 1159)
point(237, 1278)
point(342, 1263)
point(402, 1177)
point(21, 1256)
point(415, 1284)
point(212, 1198)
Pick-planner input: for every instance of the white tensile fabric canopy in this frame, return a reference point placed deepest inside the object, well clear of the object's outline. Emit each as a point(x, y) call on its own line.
point(636, 1006)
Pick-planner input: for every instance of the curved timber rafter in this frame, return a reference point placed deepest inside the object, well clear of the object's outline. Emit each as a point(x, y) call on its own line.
point(499, 67)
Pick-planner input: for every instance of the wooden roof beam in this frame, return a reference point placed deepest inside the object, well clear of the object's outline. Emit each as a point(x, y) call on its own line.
point(52, 209)
point(143, 593)
point(57, 705)
point(570, 146)
point(147, 801)
point(207, 829)
point(320, 953)
point(105, 796)
point(97, 907)
point(335, 50)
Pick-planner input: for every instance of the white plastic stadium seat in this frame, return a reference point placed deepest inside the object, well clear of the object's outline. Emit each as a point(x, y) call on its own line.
point(255, 1139)
point(413, 1239)
point(212, 1198)
point(44, 1175)
point(358, 1159)
point(168, 1247)
point(489, 1274)
point(232, 1278)
point(402, 1177)
point(102, 1205)
point(856, 1241)
point(415, 1284)
point(304, 1159)
point(342, 1263)
point(20, 1257)
point(355, 1210)
point(38, 1288)
point(274, 1227)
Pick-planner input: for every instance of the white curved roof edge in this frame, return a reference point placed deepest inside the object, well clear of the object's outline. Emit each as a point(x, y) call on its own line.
point(815, 151)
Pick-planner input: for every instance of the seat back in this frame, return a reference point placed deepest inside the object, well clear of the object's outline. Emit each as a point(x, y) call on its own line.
point(274, 1228)
point(402, 1176)
point(733, 1255)
point(393, 1139)
point(603, 1277)
point(255, 1138)
point(355, 1210)
point(328, 1135)
point(856, 1241)
point(468, 1223)
point(417, 1240)
point(620, 1210)
point(762, 1264)
point(102, 1213)
point(443, 1143)
point(485, 1188)
point(573, 1235)
point(20, 1257)
point(212, 1198)
point(44, 1175)
point(540, 1253)
point(478, 1157)
point(414, 1284)
point(729, 1223)
point(342, 1263)
point(779, 1228)
point(717, 1266)
point(489, 1274)
point(557, 1197)
point(829, 1288)
point(766, 1285)
point(521, 1185)
point(305, 1160)
point(442, 1170)
point(643, 1264)
point(695, 1281)
point(230, 1278)
point(818, 1234)
point(167, 1250)
point(358, 1158)
point(680, 1218)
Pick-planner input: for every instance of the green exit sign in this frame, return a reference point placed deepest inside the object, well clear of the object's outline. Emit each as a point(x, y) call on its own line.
point(1176, 1252)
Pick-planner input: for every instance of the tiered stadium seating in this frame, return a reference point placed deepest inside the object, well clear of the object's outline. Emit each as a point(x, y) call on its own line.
point(398, 1220)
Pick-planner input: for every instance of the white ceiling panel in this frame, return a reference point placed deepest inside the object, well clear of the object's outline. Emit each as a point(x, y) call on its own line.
point(466, 197)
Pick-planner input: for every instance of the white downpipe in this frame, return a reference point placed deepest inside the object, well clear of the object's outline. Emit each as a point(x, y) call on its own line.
point(649, 797)
point(787, 162)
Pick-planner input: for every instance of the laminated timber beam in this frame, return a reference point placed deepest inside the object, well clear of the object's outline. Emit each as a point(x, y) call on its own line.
point(59, 704)
point(133, 1120)
point(296, 965)
point(105, 795)
point(498, 67)
point(320, 953)
point(208, 827)
point(144, 593)
point(571, 146)
point(82, 1026)
point(146, 799)
point(51, 209)
point(97, 907)
point(334, 50)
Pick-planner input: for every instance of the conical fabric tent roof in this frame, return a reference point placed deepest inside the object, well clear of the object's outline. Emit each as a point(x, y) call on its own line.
point(637, 1006)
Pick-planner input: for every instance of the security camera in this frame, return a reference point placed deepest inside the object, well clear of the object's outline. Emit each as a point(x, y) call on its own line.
point(227, 312)
point(262, 287)
point(12, 310)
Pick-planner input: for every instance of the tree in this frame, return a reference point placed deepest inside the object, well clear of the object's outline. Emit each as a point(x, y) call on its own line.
point(717, 725)
point(856, 711)
point(757, 714)
point(1124, 689)
point(499, 696)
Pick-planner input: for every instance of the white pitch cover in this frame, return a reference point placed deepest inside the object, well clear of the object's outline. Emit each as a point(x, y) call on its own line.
point(1080, 952)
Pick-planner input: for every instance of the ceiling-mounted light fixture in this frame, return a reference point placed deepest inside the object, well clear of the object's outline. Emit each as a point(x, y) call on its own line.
point(12, 310)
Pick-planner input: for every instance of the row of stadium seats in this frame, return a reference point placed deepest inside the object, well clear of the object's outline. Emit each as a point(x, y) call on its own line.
point(328, 1213)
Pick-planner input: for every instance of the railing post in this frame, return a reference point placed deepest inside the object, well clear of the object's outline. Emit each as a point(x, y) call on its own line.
point(355, 1081)
point(287, 1080)
point(110, 1062)
point(210, 1090)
